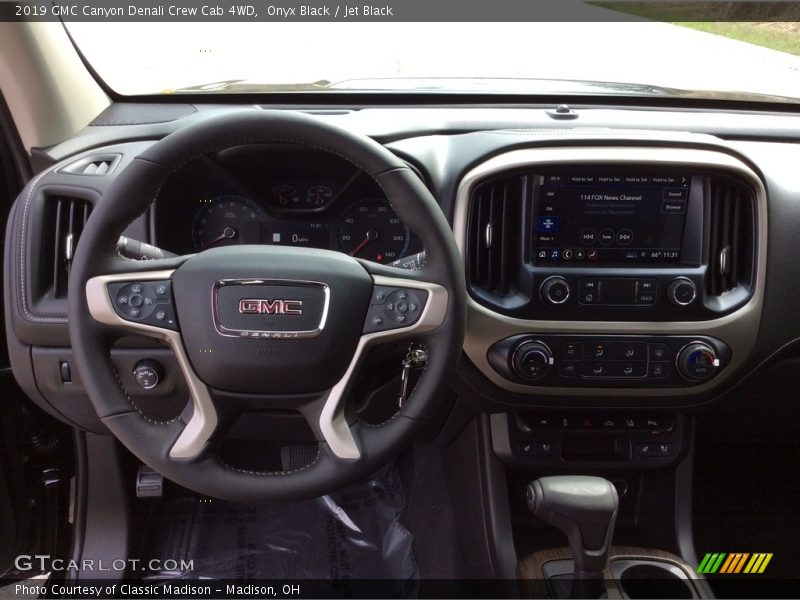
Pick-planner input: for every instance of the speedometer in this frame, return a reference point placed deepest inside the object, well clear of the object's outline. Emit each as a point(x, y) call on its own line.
point(225, 221)
point(371, 229)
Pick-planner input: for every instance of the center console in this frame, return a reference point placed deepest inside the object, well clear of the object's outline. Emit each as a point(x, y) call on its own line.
point(593, 271)
point(610, 290)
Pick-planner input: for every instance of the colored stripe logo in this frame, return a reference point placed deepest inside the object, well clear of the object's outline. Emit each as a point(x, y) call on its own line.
point(735, 562)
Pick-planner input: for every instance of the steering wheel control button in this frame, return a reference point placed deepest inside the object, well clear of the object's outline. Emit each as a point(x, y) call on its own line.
point(147, 373)
point(380, 293)
point(532, 360)
point(400, 307)
point(682, 291)
point(146, 302)
point(136, 301)
point(555, 290)
point(698, 361)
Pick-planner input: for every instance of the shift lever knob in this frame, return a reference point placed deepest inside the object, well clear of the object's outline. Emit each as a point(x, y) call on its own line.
point(585, 508)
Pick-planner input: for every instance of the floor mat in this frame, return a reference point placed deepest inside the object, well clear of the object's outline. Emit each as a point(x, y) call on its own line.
point(353, 534)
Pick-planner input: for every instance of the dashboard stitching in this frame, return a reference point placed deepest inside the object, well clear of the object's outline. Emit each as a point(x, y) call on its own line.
point(747, 375)
point(25, 212)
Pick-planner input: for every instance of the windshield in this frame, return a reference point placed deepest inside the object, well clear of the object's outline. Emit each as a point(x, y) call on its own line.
point(641, 57)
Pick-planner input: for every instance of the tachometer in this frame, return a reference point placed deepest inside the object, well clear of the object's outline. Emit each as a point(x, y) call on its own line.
point(371, 229)
point(225, 221)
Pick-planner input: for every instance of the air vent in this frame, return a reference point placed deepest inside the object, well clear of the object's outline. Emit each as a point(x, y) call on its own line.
point(732, 236)
point(495, 226)
point(93, 165)
point(67, 219)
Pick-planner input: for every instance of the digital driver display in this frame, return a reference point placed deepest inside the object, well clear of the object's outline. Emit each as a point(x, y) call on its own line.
point(625, 219)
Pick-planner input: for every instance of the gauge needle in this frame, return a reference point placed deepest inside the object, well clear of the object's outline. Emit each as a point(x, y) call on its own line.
point(372, 234)
point(227, 234)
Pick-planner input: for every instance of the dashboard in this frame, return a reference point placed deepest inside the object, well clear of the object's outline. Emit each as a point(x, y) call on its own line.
point(619, 261)
point(279, 195)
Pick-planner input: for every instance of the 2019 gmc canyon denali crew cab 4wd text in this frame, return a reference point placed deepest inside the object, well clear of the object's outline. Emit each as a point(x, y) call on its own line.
point(427, 326)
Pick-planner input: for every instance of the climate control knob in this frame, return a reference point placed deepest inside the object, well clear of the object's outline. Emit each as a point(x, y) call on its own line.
point(697, 361)
point(682, 291)
point(555, 290)
point(532, 360)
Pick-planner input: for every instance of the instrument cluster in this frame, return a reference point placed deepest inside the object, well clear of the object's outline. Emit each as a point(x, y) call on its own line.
point(279, 195)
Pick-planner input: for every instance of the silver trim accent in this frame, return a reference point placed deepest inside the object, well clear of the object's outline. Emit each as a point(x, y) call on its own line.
point(258, 334)
point(738, 329)
point(674, 284)
point(544, 293)
point(69, 246)
point(332, 422)
point(724, 260)
point(204, 416)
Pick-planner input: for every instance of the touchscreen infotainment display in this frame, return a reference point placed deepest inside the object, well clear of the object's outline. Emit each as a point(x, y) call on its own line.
point(618, 219)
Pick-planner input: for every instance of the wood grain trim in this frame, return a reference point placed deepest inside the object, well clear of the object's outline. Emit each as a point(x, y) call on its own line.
point(531, 574)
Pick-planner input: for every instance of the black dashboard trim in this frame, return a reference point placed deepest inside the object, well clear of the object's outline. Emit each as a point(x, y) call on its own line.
point(360, 100)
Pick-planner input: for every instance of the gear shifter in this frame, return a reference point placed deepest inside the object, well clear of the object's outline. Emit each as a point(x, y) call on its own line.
point(585, 508)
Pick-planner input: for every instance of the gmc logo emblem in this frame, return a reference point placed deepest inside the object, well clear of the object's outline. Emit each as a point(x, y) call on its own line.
point(270, 307)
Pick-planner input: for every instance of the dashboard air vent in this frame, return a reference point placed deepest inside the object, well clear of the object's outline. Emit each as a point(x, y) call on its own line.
point(67, 217)
point(93, 165)
point(732, 235)
point(495, 226)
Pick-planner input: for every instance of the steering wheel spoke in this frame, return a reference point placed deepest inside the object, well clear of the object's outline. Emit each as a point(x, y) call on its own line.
point(400, 308)
point(141, 302)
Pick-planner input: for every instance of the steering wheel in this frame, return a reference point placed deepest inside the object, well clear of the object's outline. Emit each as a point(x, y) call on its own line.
point(264, 326)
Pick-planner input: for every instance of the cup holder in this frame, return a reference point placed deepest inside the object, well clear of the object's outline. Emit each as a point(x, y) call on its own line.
point(650, 579)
